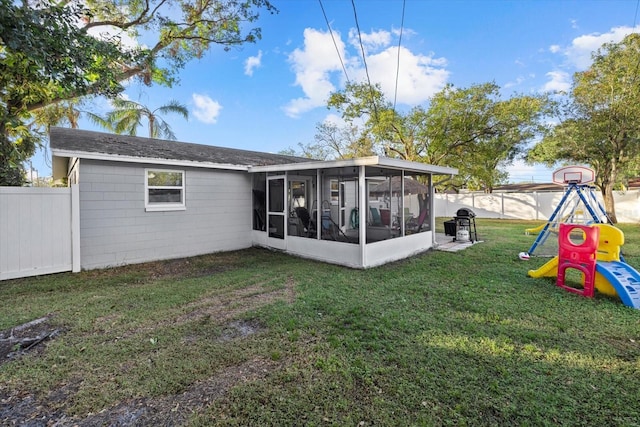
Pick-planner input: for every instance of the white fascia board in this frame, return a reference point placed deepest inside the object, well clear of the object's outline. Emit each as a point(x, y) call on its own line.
point(320, 164)
point(147, 160)
point(416, 166)
point(361, 161)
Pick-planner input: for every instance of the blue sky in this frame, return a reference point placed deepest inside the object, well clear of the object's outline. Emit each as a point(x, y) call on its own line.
point(270, 95)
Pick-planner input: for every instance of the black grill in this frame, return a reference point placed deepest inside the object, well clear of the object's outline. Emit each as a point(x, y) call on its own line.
point(465, 219)
point(465, 213)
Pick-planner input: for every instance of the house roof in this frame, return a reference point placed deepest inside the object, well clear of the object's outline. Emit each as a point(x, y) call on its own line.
point(68, 143)
point(71, 143)
point(528, 187)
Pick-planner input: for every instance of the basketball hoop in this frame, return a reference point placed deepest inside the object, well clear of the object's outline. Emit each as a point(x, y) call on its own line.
point(574, 175)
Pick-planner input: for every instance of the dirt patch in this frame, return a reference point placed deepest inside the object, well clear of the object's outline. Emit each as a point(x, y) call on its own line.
point(193, 267)
point(176, 409)
point(27, 337)
point(223, 307)
point(172, 410)
point(230, 305)
point(26, 409)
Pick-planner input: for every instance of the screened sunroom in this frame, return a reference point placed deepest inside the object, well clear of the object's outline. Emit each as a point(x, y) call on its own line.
point(359, 212)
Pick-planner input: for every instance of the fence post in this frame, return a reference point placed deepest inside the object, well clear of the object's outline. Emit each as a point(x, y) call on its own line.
point(75, 228)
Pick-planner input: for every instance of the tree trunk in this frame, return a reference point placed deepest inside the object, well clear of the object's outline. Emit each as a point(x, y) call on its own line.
point(609, 204)
point(10, 174)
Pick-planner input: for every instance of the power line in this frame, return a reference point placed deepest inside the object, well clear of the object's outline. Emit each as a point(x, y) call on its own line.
point(395, 95)
point(364, 60)
point(334, 41)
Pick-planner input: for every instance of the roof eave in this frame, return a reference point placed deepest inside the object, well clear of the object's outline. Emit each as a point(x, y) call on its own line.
point(360, 161)
point(146, 160)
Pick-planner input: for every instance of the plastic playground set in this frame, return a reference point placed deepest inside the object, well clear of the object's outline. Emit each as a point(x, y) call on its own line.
point(586, 242)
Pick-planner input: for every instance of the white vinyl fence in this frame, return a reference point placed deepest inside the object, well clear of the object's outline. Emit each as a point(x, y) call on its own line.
point(40, 227)
point(39, 231)
point(530, 206)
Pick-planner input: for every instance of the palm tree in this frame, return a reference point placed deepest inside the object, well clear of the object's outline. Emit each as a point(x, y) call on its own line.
point(127, 116)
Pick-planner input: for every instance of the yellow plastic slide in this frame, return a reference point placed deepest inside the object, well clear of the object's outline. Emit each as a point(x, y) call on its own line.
point(611, 239)
point(534, 230)
point(550, 269)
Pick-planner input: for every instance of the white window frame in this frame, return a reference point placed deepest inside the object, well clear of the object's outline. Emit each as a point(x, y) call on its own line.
point(157, 207)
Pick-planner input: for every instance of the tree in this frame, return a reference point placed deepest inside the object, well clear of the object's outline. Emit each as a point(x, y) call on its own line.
point(601, 126)
point(476, 131)
point(48, 56)
point(471, 129)
point(336, 142)
point(383, 130)
point(128, 115)
point(44, 56)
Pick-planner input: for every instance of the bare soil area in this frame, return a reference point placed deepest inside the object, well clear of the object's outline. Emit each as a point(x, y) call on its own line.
point(27, 409)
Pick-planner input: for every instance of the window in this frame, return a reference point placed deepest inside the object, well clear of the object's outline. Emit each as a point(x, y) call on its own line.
point(164, 190)
point(335, 191)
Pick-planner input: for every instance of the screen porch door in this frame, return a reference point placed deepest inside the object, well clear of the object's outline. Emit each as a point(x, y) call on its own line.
point(276, 213)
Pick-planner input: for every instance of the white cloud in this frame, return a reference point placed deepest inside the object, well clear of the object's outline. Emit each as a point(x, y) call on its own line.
point(372, 42)
point(406, 32)
point(579, 53)
point(559, 81)
point(312, 65)
point(419, 75)
point(334, 119)
point(555, 48)
point(519, 80)
point(252, 63)
point(206, 109)
point(109, 32)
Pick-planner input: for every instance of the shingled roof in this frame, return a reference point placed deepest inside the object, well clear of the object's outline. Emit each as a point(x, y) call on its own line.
point(80, 143)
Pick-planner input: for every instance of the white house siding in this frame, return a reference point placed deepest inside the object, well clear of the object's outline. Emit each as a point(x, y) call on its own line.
point(115, 229)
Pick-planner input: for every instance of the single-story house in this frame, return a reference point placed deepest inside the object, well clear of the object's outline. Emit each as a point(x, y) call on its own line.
point(144, 199)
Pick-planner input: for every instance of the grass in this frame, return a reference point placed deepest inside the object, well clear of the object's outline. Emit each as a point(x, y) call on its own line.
point(462, 338)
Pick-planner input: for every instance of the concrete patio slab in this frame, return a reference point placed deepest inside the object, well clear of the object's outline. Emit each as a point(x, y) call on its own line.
point(448, 244)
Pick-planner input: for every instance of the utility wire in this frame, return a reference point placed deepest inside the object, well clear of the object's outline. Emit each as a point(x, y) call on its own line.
point(334, 41)
point(395, 95)
point(364, 60)
point(633, 30)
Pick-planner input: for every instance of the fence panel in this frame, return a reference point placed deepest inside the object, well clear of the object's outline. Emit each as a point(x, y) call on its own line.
point(529, 206)
point(35, 231)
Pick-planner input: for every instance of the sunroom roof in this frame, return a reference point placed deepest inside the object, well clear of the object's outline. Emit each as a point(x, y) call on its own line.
point(372, 161)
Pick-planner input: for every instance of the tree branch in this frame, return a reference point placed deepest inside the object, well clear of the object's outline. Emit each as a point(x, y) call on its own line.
point(140, 20)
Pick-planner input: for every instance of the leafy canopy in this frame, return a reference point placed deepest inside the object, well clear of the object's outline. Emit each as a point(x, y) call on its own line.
point(471, 129)
point(601, 122)
point(52, 52)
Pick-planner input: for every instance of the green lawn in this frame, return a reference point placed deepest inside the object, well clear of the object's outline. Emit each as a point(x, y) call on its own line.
point(260, 338)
